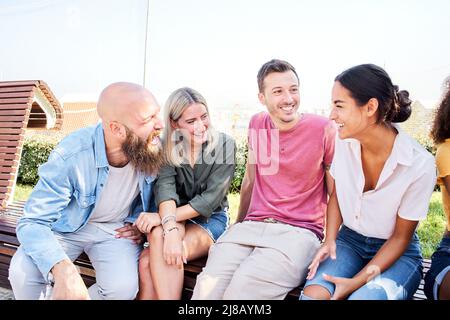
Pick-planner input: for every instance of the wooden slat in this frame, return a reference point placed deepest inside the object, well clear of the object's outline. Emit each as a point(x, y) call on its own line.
point(8, 252)
point(9, 156)
point(17, 89)
point(37, 116)
point(11, 124)
point(20, 106)
point(9, 143)
point(5, 189)
point(16, 95)
point(19, 83)
point(15, 101)
point(13, 112)
point(4, 169)
point(7, 227)
point(12, 137)
point(37, 122)
point(8, 163)
point(16, 131)
point(9, 217)
point(37, 113)
point(7, 150)
point(13, 118)
point(6, 183)
point(8, 223)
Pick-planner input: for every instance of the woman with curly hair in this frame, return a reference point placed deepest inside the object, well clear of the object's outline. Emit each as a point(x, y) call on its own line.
point(437, 280)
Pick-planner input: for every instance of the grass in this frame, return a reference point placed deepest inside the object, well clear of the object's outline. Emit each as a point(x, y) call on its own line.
point(430, 230)
point(22, 191)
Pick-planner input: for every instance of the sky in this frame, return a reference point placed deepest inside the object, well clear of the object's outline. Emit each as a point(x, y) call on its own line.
point(217, 46)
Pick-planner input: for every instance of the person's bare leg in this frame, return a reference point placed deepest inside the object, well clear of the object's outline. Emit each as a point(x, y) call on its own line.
point(168, 279)
point(444, 288)
point(165, 277)
point(146, 288)
point(196, 241)
point(317, 293)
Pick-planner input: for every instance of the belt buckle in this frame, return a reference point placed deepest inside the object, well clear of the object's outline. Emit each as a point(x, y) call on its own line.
point(270, 220)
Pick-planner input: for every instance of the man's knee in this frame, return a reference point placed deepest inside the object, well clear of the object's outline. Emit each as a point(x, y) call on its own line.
point(241, 287)
point(23, 273)
point(209, 287)
point(125, 288)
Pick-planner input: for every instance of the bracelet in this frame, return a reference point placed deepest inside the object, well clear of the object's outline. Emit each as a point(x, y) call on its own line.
point(165, 232)
point(168, 218)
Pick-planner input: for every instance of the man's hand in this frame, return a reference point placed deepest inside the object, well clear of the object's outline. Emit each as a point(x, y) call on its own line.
point(328, 249)
point(147, 221)
point(129, 231)
point(68, 283)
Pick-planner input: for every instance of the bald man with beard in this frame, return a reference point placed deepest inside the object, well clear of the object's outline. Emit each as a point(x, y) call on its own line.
point(95, 184)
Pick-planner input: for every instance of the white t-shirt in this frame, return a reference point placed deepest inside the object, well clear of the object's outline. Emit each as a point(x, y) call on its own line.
point(114, 205)
point(404, 187)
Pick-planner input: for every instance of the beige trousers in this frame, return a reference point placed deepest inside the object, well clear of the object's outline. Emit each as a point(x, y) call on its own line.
point(256, 260)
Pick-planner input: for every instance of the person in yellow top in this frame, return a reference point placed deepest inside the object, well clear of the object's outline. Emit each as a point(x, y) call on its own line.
point(437, 280)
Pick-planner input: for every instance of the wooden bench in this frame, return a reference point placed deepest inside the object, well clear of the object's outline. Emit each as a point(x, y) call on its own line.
point(9, 244)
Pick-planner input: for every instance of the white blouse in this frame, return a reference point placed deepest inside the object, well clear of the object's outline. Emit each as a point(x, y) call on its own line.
point(404, 187)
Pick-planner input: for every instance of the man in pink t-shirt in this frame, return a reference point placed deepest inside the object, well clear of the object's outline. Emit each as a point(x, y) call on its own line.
point(266, 253)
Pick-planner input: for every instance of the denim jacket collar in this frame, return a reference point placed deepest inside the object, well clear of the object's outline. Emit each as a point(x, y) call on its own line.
point(100, 148)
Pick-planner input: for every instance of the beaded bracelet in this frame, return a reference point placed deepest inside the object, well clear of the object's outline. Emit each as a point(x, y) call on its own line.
point(165, 232)
point(168, 218)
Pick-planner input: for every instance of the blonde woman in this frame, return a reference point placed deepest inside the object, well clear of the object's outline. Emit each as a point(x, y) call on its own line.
point(190, 194)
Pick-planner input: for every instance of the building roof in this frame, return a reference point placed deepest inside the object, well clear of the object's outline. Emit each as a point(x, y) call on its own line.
point(23, 104)
point(79, 115)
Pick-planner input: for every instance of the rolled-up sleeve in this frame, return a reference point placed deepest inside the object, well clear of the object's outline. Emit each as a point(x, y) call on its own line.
point(50, 196)
point(165, 186)
point(218, 181)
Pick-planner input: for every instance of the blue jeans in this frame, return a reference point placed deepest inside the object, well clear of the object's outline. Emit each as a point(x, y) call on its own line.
point(215, 225)
point(440, 266)
point(354, 251)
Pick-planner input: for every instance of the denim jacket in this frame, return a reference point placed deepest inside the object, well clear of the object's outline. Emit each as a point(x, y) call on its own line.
point(69, 185)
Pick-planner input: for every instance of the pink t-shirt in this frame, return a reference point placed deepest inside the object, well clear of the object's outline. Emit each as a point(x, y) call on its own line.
point(290, 170)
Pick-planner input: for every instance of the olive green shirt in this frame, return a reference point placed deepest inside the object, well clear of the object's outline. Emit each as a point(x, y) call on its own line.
point(204, 186)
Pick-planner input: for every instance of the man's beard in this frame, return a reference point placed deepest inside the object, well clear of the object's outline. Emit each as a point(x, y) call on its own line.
point(143, 155)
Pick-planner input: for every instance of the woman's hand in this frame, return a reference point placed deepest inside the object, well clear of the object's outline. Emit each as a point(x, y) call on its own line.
point(147, 221)
point(343, 286)
point(174, 252)
point(328, 249)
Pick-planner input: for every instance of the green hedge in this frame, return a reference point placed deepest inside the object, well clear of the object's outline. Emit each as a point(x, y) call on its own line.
point(35, 152)
point(38, 147)
point(241, 160)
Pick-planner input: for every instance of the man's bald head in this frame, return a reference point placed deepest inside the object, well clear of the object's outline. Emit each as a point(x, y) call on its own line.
point(118, 101)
